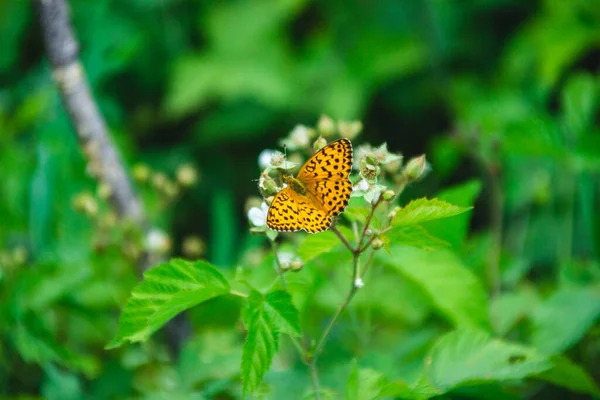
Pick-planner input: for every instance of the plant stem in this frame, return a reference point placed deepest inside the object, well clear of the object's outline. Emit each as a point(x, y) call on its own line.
point(278, 268)
point(343, 239)
point(339, 312)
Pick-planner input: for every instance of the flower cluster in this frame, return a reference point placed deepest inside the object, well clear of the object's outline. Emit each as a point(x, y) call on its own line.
point(302, 140)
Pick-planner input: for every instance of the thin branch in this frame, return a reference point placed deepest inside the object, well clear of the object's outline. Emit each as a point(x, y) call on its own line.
point(340, 310)
point(278, 268)
point(103, 159)
point(343, 239)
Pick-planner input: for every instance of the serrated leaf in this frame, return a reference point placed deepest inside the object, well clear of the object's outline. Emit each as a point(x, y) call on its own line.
point(421, 390)
point(466, 357)
point(315, 245)
point(564, 318)
point(262, 342)
point(415, 236)
point(284, 315)
point(167, 290)
point(422, 210)
point(569, 375)
point(454, 229)
point(364, 384)
point(453, 288)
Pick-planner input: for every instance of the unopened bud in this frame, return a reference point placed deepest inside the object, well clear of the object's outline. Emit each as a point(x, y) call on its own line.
point(368, 232)
point(19, 255)
point(104, 191)
point(376, 244)
point(267, 185)
point(186, 175)
point(349, 130)
point(326, 126)
point(296, 265)
point(193, 246)
point(159, 180)
point(416, 168)
point(171, 189)
point(393, 212)
point(319, 143)
point(141, 172)
point(86, 203)
point(388, 194)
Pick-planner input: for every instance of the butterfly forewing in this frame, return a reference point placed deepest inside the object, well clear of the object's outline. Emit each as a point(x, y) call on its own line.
point(328, 189)
point(325, 176)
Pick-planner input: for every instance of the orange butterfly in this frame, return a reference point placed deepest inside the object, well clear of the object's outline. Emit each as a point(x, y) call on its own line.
point(319, 192)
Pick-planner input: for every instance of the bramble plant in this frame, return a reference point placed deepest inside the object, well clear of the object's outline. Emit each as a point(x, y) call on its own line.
point(371, 226)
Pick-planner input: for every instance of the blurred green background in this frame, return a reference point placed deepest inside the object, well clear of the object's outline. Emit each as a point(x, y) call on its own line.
point(503, 92)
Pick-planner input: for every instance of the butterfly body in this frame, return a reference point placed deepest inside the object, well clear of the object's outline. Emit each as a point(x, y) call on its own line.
point(319, 192)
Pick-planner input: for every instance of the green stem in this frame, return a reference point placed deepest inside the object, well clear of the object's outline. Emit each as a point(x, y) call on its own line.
point(343, 239)
point(278, 268)
point(340, 310)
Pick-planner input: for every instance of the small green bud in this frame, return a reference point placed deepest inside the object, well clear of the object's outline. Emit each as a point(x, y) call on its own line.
point(159, 180)
point(376, 244)
point(193, 247)
point(388, 194)
point(393, 212)
point(85, 203)
point(368, 232)
point(104, 191)
point(19, 255)
point(171, 189)
point(350, 130)
point(326, 126)
point(108, 220)
point(141, 172)
point(267, 185)
point(319, 143)
point(296, 265)
point(416, 168)
point(186, 175)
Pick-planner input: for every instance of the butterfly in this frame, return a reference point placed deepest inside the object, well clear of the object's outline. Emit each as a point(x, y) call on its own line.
point(320, 192)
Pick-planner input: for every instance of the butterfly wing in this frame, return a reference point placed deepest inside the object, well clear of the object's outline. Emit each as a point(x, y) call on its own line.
point(325, 177)
point(291, 212)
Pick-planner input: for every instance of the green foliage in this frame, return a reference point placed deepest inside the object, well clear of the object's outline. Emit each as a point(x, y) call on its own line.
point(167, 290)
point(265, 318)
point(483, 285)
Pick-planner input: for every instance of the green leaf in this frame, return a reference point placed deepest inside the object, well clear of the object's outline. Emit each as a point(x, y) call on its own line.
point(422, 210)
point(61, 385)
point(466, 357)
point(315, 245)
point(454, 229)
point(283, 313)
point(579, 99)
point(364, 384)
point(357, 213)
point(564, 318)
point(415, 236)
point(571, 376)
point(167, 290)
point(421, 390)
point(261, 343)
point(509, 308)
point(454, 290)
